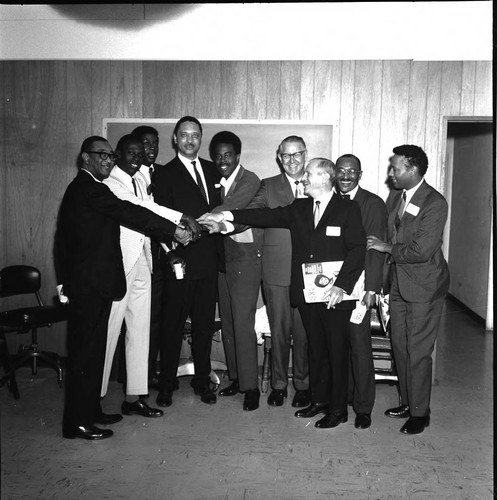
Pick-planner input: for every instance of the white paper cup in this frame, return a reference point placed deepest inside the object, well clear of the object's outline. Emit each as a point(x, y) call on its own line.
point(178, 271)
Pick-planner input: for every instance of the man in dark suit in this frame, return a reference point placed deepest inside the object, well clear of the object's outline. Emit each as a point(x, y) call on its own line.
point(287, 331)
point(149, 137)
point(188, 183)
point(240, 283)
point(323, 228)
point(89, 265)
point(419, 280)
point(374, 220)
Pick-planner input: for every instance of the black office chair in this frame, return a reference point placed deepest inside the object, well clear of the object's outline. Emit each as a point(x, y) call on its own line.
point(18, 280)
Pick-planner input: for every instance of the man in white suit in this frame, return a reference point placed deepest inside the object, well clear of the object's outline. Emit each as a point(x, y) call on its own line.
point(129, 183)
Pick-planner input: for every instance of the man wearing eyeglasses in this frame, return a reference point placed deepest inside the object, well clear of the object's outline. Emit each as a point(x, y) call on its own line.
point(284, 320)
point(89, 266)
point(374, 219)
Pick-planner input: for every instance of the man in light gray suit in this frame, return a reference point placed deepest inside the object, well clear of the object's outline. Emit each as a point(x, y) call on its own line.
point(284, 320)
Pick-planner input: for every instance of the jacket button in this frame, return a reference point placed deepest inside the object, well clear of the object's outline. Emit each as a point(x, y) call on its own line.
point(311, 256)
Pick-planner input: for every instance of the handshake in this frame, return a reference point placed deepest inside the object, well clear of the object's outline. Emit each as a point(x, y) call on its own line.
point(188, 230)
point(212, 222)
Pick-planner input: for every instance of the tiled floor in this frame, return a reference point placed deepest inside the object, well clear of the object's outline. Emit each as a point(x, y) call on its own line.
point(221, 452)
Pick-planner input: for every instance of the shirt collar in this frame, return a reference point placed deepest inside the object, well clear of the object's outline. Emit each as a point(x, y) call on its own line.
point(350, 193)
point(227, 182)
point(186, 161)
point(410, 192)
point(324, 199)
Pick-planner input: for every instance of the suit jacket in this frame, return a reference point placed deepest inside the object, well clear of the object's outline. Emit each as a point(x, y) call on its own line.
point(422, 271)
point(374, 221)
point(277, 246)
point(88, 258)
point(175, 188)
point(247, 244)
point(311, 244)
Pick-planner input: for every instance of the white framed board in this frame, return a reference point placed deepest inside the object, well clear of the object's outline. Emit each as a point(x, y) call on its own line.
point(260, 138)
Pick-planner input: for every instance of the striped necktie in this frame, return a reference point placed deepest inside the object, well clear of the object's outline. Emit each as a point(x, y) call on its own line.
point(199, 180)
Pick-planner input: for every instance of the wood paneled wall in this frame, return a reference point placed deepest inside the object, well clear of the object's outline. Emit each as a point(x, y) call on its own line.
point(49, 107)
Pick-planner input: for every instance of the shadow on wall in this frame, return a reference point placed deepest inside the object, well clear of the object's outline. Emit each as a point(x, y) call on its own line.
point(119, 16)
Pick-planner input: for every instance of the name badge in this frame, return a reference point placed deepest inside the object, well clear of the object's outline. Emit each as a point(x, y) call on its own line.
point(333, 230)
point(412, 209)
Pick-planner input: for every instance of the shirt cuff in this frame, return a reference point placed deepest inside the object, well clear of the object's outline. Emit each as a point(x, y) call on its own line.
point(228, 216)
point(227, 226)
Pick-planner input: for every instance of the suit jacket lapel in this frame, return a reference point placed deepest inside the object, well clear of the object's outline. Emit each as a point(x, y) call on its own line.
point(287, 189)
point(232, 188)
point(331, 206)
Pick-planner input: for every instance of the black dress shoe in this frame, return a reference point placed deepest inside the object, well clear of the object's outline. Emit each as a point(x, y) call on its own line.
point(231, 390)
point(312, 410)
point(206, 394)
point(331, 420)
point(401, 411)
point(362, 421)
point(108, 419)
point(140, 407)
point(164, 398)
point(277, 397)
point(89, 432)
point(415, 425)
point(302, 398)
point(251, 400)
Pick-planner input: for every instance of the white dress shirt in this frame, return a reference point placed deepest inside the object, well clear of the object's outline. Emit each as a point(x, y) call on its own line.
point(188, 164)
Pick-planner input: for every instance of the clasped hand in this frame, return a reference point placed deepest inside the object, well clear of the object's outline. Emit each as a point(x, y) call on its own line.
point(211, 222)
point(188, 230)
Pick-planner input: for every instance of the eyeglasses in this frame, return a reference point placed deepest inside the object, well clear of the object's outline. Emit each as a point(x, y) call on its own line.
point(296, 156)
point(104, 155)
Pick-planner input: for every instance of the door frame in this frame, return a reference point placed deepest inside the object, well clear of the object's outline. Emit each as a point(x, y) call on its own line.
point(447, 164)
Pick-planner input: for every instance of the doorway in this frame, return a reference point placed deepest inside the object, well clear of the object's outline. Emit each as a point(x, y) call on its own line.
point(469, 189)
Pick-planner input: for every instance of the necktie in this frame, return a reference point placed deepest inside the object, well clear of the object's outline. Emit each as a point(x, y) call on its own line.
point(150, 187)
point(223, 192)
point(400, 211)
point(199, 181)
point(296, 189)
point(317, 215)
point(134, 186)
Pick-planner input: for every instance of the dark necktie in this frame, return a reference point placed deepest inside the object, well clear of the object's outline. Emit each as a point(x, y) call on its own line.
point(150, 187)
point(296, 189)
point(199, 181)
point(400, 211)
point(134, 186)
point(317, 214)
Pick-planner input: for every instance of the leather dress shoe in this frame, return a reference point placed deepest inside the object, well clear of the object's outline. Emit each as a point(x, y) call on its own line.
point(108, 419)
point(89, 432)
point(302, 398)
point(415, 425)
point(332, 419)
point(277, 397)
point(251, 400)
point(206, 394)
point(164, 398)
point(140, 407)
point(401, 411)
point(362, 421)
point(230, 390)
point(312, 410)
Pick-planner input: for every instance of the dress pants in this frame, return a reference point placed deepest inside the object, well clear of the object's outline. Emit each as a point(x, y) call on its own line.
point(414, 328)
point(182, 298)
point(238, 294)
point(134, 309)
point(155, 316)
point(329, 343)
point(86, 344)
point(362, 386)
point(286, 324)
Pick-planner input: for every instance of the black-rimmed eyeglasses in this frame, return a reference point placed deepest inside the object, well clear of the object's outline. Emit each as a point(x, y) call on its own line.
point(296, 156)
point(104, 155)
